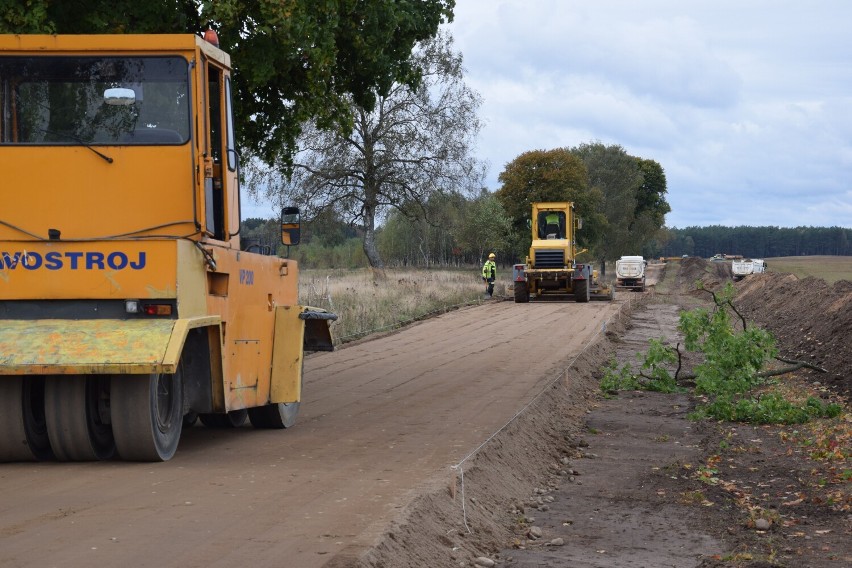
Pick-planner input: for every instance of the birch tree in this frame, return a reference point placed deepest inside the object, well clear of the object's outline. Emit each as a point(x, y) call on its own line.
point(414, 143)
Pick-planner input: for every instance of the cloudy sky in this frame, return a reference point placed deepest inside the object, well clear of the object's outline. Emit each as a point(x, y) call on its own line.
point(747, 105)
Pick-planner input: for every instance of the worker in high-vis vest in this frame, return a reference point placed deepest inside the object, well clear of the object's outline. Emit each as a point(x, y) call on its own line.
point(489, 274)
point(551, 225)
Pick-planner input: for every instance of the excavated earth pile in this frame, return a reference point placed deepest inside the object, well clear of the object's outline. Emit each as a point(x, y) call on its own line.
point(811, 320)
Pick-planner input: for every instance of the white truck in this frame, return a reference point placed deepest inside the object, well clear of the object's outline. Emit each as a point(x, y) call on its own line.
point(630, 273)
point(743, 267)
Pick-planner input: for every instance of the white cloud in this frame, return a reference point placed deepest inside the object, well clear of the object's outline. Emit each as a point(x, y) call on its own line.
point(745, 105)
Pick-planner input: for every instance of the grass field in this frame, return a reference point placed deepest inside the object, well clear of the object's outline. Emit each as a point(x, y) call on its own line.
point(367, 304)
point(829, 268)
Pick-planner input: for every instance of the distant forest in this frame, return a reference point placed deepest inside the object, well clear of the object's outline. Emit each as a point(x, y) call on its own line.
point(329, 242)
point(753, 242)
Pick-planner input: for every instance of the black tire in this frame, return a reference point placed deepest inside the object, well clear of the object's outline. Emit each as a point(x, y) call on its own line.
point(34, 419)
point(522, 293)
point(23, 433)
point(147, 415)
point(274, 416)
point(73, 418)
point(232, 419)
point(581, 290)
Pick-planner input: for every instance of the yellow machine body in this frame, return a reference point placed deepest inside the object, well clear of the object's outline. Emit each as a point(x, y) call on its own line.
point(551, 269)
point(120, 251)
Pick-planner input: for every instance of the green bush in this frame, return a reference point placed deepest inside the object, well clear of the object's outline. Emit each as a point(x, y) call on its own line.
point(655, 367)
point(616, 379)
point(769, 408)
point(734, 364)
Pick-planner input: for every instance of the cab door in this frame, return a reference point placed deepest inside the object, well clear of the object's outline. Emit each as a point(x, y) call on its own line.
point(221, 161)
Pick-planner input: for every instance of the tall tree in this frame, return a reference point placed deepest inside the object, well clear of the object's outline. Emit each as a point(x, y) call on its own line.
point(295, 60)
point(651, 195)
point(616, 175)
point(486, 228)
point(414, 143)
point(651, 205)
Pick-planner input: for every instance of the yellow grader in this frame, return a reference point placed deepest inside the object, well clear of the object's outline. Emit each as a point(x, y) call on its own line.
point(128, 308)
point(551, 270)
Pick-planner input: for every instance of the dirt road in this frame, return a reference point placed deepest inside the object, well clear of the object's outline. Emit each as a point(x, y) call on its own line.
point(382, 421)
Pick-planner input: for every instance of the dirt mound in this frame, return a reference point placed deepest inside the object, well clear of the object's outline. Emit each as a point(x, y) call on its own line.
point(810, 319)
point(712, 275)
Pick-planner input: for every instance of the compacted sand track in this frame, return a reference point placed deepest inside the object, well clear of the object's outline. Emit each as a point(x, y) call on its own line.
point(381, 423)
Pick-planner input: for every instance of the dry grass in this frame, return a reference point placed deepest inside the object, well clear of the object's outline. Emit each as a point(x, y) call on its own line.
point(829, 268)
point(367, 305)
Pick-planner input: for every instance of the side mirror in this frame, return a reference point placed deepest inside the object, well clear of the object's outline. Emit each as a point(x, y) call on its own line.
point(291, 223)
point(119, 97)
point(578, 222)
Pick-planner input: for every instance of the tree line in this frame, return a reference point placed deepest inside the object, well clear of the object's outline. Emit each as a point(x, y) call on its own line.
point(452, 235)
point(752, 242)
point(443, 235)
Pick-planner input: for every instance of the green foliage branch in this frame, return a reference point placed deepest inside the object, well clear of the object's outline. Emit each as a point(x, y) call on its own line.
point(735, 363)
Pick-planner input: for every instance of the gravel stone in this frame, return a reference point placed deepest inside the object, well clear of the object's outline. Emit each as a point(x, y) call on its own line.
point(535, 533)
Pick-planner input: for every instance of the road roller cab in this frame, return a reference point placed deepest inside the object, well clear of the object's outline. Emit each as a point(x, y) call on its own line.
point(127, 306)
